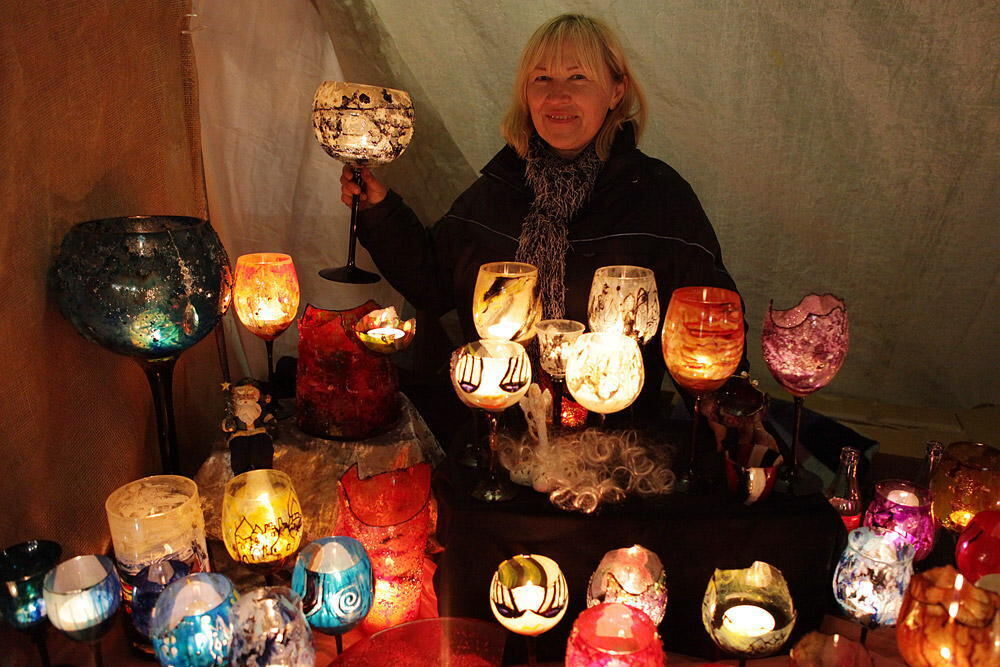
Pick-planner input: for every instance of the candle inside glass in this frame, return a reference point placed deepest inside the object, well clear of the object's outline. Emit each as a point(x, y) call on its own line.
point(748, 620)
point(903, 497)
point(386, 332)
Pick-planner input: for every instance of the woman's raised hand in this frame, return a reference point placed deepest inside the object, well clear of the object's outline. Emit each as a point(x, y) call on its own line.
point(373, 192)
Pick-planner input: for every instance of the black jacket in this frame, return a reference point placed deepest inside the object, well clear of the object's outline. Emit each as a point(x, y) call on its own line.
point(641, 212)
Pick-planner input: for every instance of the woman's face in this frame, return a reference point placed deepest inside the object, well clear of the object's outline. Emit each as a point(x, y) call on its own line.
point(568, 102)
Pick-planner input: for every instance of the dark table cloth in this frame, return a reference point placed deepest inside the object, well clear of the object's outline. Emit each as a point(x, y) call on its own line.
point(692, 534)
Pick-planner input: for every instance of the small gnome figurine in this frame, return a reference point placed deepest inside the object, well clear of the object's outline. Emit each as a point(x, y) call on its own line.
point(251, 447)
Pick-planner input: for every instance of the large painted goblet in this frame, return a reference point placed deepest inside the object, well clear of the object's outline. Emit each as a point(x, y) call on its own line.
point(491, 375)
point(266, 298)
point(623, 299)
point(604, 372)
point(702, 347)
point(82, 595)
point(362, 126)
point(555, 338)
point(529, 596)
point(148, 287)
point(804, 347)
point(505, 303)
point(22, 569)
point(333, 576)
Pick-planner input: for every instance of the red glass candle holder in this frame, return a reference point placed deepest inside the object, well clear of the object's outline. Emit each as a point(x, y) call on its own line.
point(904, 510)
point(977, 553)
point(390, 514)
point(343, 390)
point(614, 635)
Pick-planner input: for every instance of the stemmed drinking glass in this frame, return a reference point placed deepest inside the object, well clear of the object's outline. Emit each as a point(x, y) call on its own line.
point(491, 375)
point(623, 299)
point(604, 372)
point(702, 347)
point(506, 304)
point(555, 338)
point(804, 347)
point(82, 595)
point(266, 297)
point(363, 126)
point(22, 568)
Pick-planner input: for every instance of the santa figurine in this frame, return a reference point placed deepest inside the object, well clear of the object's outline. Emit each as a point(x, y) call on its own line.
point(250, 445)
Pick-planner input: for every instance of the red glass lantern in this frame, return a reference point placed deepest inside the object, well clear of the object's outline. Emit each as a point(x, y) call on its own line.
point(343, 390)
point(614, 635)
point(390, 514)
point(977, 553)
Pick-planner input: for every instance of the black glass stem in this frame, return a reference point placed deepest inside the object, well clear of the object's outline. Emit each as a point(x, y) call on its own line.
point(160, 373)
point(495, 486)
point(269, 345)
point(350, 273)
point(558, 388)
point(687, 482)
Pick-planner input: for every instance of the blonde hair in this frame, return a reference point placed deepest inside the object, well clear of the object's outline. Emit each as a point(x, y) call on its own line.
point(600, 52)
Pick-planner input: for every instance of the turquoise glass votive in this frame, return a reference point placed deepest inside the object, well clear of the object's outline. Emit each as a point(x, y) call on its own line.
point(333, 576)
point(192, 622)
point(22, 569)
point(82, 595)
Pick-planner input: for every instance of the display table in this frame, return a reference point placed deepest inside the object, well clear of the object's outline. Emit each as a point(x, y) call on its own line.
point(693, 535)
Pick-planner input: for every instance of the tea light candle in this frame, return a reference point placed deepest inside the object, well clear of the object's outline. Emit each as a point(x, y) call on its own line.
point(387, 333)
point(748, 620)
point(903, 497)
point(78, 613)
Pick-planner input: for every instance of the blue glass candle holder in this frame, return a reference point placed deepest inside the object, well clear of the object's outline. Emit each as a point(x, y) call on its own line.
point(149, 584)
point(270, 629)
point(872, 576)
point(192, 621)
point(22, 569)
point(333, 576)
point(82, 595)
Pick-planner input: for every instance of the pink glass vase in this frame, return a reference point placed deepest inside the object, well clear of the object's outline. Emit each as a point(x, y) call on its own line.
point(904, 510)
point(343, 390)
point(614, 635)
point(390, 514)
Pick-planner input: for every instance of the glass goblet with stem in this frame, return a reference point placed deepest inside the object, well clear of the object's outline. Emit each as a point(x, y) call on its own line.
point(555, 338)
point(261, 520)
point(804, 347)
point(22, 569)
point(491, 375)
point(82, 595)
point(702, 347)
point(604, 372)
point(623, 299)
point(529, 596)
point(362, 126)
point(266, 297)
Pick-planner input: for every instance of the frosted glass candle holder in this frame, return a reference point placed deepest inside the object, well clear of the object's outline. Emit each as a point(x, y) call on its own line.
point(872, 576)
point(904, 510)
point(623, 299)
point(632, 576)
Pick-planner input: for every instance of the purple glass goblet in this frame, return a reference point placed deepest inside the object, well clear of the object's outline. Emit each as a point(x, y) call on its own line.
point(804, 347)
point(905, 510)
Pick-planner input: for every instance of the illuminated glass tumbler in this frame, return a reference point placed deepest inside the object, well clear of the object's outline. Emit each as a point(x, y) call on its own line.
point(192, 622)
point(82, 595)
point(965, 482)
point(22, 568)
point(905, 510)
point(614, 635)
point(632, 576)
point(528, 594)
point(333, 576)
point(270, 630)
point(872, 576)
point(261, 519)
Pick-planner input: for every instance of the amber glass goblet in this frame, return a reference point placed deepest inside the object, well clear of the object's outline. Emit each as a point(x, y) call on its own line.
point(506, 303)
point(804, 347)
point(555, 338)
point(266, 297)
point(362, 126)
point(491, 375)
point(702, 347)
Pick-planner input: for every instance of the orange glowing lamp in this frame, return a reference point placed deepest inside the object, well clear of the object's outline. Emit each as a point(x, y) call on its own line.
point(266, 296)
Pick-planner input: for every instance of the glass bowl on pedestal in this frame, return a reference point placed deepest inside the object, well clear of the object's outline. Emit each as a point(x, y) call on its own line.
point(261, 520)
point(966, 482)
point(266, 298)
point(871, 577)
point(148, 287)
point(623, 299)
point(748, 613)
point(905, 510)
point(702, 346)
point(529, 596)
point(613, 634)
point(491, 375)
point(804, 348)
point(362, 126)
point(333, 576)
point(269, 629)
point(604, 372)
point(555, 338)
point(82, 595)
point(192, 622)
point(632, 576)
point(22, 570)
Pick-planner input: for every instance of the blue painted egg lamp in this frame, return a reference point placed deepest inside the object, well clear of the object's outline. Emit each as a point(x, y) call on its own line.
point(22, 569)
point(192, 622)
point(82, 595)
point(333, 576)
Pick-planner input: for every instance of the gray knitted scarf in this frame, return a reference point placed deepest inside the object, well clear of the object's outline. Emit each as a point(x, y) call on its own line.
point(561, 189)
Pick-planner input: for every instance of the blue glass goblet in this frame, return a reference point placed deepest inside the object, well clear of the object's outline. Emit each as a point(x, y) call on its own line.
point(333, 576)
point(192, 622)
point(148, 287)
point(270, 629)
point(22, 569)
point(82, 595)
point(150, 583)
